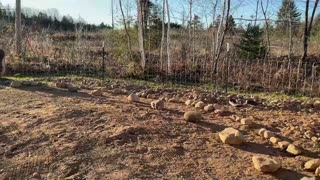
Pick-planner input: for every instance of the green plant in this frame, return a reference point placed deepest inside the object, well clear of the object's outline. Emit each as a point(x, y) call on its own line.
point(251, 43)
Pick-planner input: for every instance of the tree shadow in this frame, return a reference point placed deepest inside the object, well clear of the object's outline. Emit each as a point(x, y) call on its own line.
point(262, 149)
point(213, 127)
point(284, 174)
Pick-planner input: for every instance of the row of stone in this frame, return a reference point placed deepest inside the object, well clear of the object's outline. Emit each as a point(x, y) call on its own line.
point(284, 145)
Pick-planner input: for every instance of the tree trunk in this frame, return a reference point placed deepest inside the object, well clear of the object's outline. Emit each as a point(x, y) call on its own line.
point(213, 32)
point(140, 34)
point(305, 38)
point(257, 10)
point(112, 15)
point(226, 12)
point(18, 28)
point(290, 33)
point(190, 35)
point(168, 40)
point(126, 29)
point(309, 28)
point(264, 11)
point(162, 34)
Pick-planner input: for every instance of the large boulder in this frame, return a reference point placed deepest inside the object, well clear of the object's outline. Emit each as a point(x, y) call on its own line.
point(199, 105)
point(157, 104)
point(312, 164)
point(209, 108)
point(73, 89)
point(192, 116)
point(16, 84)
point(97, 93)
point(268, 134)
point(283, 144)
point(188, 102)
point(317, 172)
point(261, 131)
point(292, 149)
point(264, 164)
point(231, 136)
point(133, 98)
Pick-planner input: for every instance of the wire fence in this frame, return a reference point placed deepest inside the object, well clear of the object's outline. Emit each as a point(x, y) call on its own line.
point(92, 54)
point(251, 75)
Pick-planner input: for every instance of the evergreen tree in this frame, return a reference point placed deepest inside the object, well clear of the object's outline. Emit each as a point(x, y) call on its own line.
point(288, 9)
point(251, 43)
point(231, 25)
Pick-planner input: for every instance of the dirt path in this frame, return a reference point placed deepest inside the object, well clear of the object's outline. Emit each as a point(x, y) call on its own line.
point(51, 133)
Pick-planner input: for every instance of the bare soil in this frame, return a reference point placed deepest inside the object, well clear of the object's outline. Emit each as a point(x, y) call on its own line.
point(49, 133)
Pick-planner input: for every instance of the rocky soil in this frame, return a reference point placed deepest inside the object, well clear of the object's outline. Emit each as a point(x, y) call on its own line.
point(48, 132)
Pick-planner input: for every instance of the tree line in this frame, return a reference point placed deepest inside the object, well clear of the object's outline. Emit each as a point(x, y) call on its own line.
point(42, 20)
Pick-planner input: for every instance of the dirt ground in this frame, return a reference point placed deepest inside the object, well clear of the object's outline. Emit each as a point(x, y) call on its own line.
point(49, 133)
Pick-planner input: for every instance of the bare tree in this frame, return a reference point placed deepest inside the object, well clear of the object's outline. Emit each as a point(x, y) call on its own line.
point(257, 10)
point(226, 12)
point(18, 30)
point(126, 29)
point(308, 27)
point(140, 32)
point(168, 39)
point(112, 15)
point(264, 11)
point(213, 32)
point(190, 19)
point(162, 34)
point(290, 32)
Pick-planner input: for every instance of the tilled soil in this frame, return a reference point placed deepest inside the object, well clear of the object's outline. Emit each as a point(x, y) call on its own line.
point(49, 133)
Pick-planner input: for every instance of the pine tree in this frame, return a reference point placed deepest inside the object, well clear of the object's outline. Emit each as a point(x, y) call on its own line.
point(231, 25)
point(251, 43)
point(288, 9)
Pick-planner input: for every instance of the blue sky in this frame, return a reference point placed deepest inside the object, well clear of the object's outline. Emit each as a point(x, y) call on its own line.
point(97, 11)
point(93, 11)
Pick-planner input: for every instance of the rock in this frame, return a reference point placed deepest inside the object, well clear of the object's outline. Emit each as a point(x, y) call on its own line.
point(246, 121)
point(192, 116)
point(217, 106)
point(268, 134)
point(173, 100)
point(274, 140)
point(16, 84)
point(133, 98)
point(62, 85)
point(317, 172)
point(97, 93)
point(283, 144)
point(199, 105)
point(231, 136)
point(157, 104)
point(188, 102)
point(308, 178)
point(264, 164)
point(235, 118)
point(30, 83)
point(316, 104)
point(36, 175)
point(221, 112)
point(292, 149)
point(314, 139)
point(209, 108)
point(261, 131)
point(72, 89)
point(312, 164)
